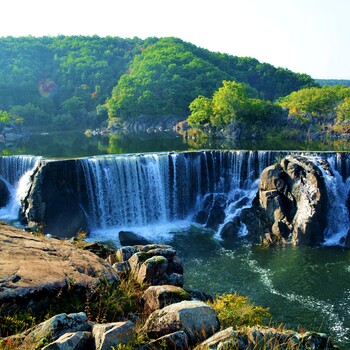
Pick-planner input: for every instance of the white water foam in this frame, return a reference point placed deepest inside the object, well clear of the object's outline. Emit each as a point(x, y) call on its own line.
point(328, 310)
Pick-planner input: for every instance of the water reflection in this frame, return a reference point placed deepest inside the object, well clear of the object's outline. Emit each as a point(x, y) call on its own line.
point(76, 144)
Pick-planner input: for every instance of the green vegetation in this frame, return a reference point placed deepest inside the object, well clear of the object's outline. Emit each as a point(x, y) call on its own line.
point(233, 104)
point(64, 81)
point(328, 104)
point(236, 310)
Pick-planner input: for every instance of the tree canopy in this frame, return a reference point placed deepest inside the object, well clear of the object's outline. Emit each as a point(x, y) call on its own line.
point(66, 80)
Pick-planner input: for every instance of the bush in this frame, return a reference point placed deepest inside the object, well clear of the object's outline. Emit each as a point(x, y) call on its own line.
point(236, 310)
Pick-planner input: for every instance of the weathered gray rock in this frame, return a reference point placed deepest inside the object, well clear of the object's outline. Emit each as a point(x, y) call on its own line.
point(34, 269)
point(122, 269)
point(257, 337)
point(157, 297)
point(174, 341)
point(197, 319)
point(291, 203)
point(58, 325)
point(72, 341)
point(111, 334)
point(154, 264)
point(125, 253)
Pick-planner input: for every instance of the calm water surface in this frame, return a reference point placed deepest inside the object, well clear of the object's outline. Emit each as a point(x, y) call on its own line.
point(76, 144)
point(307, 287)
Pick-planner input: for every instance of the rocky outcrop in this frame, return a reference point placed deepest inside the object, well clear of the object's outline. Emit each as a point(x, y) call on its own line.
point(53, 201)
point(261, 338)
point(197, 319)
point(33, 270)
point(153, 264)
point(291, 205)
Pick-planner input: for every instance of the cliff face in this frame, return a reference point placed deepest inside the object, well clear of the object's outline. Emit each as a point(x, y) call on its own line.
point(54, 199)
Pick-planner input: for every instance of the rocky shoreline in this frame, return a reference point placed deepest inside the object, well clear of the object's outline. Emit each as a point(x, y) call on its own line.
point(39, 274)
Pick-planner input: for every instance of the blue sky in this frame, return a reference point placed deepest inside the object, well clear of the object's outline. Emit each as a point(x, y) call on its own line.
point(305, 36)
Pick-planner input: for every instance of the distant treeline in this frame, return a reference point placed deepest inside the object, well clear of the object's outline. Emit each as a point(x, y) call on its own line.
point(333, 82)
point(66, 80)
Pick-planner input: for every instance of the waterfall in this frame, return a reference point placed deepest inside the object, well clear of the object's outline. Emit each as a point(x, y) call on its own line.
point(338, 188)
point(137, 190)
point(15, 171)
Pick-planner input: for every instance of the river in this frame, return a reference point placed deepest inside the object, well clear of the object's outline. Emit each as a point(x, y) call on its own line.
point(304, 287)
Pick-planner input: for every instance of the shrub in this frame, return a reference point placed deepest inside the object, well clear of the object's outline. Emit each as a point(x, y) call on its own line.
point(237, 310)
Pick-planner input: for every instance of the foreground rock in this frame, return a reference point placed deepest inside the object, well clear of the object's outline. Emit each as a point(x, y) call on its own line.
point(153, 264)
point(266, 338)
point(291, 205)
point(197, 319)
point(33, 270)
point(113, 334)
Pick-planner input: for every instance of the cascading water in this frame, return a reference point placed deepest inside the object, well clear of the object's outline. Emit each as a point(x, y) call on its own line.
point(15, 171)
point(138, 190)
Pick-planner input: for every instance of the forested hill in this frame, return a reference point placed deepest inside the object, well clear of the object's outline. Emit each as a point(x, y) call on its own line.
point(65, 81)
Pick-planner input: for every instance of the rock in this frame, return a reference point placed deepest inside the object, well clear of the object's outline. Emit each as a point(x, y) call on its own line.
point(174, 341)
point(155, 264)
point(152, 271)
point(4, 193)
point(197, 319)
point(122, 269)
point(157, 297)
point(212, 212)
point(33, 270)
point(128, 238)
point(72, 341)
point(125, 253)
point(109, 335)
point(200, 296)
point(231, 228)
point(58, 325)
point(260, 337)
point(291, 203)
point(53, 200)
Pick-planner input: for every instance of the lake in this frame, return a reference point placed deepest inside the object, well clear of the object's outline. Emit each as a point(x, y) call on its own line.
point(303, 287)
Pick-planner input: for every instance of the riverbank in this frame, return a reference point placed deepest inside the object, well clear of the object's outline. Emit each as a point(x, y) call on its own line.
point(37, 272)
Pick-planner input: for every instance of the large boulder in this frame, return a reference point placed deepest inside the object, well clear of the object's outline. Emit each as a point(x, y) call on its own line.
point(110, 335)
point(291, 205)
point(72, 341)
point(157, 297)
point(57, 326)
point(33, 270)
point(197, 319)
point(54, 198)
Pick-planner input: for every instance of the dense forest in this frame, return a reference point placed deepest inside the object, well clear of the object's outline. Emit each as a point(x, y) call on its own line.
point(78, 81)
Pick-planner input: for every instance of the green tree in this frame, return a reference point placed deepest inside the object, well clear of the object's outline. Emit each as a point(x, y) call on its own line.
point(201, 111)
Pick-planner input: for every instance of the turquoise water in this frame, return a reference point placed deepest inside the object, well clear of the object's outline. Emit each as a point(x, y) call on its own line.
point(303, 287)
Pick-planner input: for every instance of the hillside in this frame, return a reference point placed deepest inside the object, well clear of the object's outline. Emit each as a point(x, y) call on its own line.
point(65, 80)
